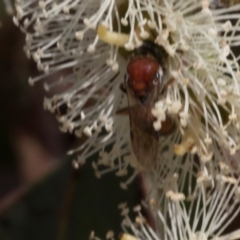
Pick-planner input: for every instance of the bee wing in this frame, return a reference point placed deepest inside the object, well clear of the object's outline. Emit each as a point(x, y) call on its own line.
point(145, 139)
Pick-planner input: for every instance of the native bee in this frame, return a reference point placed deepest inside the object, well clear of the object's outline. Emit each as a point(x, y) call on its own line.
point(144, 85)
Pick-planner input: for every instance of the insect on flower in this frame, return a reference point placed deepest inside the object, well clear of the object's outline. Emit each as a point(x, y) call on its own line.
point(144, 86)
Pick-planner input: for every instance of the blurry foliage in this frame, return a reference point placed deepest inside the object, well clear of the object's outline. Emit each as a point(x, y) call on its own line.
point(41, 214)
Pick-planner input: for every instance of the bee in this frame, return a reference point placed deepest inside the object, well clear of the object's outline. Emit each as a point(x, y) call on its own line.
point(144, 86)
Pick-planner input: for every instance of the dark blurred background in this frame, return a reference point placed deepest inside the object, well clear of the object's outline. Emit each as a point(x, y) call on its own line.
point(41, 196)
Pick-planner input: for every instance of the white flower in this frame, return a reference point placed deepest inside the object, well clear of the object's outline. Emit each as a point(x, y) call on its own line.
point(181, 227)
point(193, 204)
point(202, 215)
point(67, 39)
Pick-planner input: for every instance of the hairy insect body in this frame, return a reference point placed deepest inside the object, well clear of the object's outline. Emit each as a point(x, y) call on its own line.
point(144, 84)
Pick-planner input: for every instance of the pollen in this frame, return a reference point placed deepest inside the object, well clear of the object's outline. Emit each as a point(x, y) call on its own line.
point(109, 37)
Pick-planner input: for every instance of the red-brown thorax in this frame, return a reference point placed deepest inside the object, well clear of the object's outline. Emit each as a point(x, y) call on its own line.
point(141, 73)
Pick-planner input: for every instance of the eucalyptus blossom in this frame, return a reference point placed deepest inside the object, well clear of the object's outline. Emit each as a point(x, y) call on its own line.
point(204, 215)
point(82, 48)
point(193, 204)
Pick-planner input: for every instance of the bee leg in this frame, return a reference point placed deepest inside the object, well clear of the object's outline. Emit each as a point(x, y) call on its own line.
point(168, 126)
point(168, 83)
point(123, 111)
point(123, 88)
